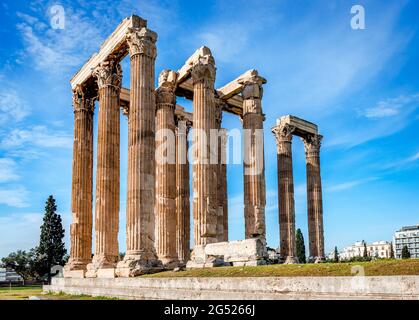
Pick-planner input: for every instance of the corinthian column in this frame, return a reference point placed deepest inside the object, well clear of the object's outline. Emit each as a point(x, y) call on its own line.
point(141, 254)
point(166, 170)
point(222, 199)
point(283, 134)
point(82, 180)
point(314, 197)
point(204, 173)
point(182, 191)
point(109, 76)
point(254, 162)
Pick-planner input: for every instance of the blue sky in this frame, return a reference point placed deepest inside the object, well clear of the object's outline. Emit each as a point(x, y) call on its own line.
point(360, 86)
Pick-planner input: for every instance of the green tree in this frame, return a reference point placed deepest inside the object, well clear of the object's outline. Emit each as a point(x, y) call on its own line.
point(365, 255)
point(391, 251)
point(21, 262)
point(51, 250)
point(300, 247)
point(336, 255)
point(405, 252)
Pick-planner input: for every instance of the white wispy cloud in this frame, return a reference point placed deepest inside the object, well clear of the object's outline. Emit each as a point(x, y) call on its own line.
point(393, 106)
point(12, 107)
point(402, 163)
point(8, 168)
point(348, 184)
point(38, 136)
point(17, 197)
point(55, 51)
point(386, 118)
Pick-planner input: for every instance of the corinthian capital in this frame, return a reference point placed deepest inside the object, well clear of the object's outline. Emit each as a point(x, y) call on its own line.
point(84, 97)
point(312, 144)
point(108, 73)
point(219, 105)
point(203, 69)
point(283, 133)
point(252, 85)
point(165, 93)
point(142, 41)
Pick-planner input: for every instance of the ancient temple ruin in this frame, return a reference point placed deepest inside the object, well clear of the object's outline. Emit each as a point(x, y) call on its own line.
point(157, 201)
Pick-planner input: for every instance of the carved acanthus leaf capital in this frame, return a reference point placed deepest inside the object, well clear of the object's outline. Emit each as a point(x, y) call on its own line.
point(142, 41)
point(203, 69)
point(252, 85)
point(84, 98)
point(219, 106)
point(312, 144)
point(183, 124)
point(283, 133)
point(108, 74)
point(165, 93)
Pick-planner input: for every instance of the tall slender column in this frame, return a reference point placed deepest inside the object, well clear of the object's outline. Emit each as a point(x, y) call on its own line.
point(283, 134)
point(204, 173)
point(314, 197)
point(254, 162)
point(141, 254)
point(182, 191)
point(166, 170)
point(109, 76)
point(222, 213)
point(82, 180)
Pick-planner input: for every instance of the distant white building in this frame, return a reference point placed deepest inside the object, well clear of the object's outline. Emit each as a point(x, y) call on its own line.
point(377, 249)
point(7, 275)
point(407, 236)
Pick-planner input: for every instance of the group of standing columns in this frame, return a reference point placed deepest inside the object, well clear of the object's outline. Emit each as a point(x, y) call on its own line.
point(284, 133)
point(158, 195)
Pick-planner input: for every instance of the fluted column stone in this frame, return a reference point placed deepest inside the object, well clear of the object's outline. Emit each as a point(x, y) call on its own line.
point(166, 170)
point(312, 145)
point(222, 199)
point(254, 162)
point(182, 191)
point(141, 255)
point(108, 75)
point(204, 173)
point(286, 205)
point(82, 180)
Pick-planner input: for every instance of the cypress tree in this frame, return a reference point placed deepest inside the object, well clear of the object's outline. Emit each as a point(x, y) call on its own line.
point(51, 250)
point(336, 255)
point(405, 252)
point(300, 247)
point(365, 250)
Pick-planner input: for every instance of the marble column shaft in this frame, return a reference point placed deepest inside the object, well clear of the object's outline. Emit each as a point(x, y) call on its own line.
point(166, 169)
point(82, 180)
point(314, 196)
point(204, 173)
point(141, 251)
point(109, 76)
point(182, 192)
point(222, 198)
point(254, 162)
point(283, 135)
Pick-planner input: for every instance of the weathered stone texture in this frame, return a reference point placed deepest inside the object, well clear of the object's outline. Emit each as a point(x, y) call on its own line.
point(141, 254)
point(82, 180)
point(108, 75)
point(166, 170)
point(254, 162)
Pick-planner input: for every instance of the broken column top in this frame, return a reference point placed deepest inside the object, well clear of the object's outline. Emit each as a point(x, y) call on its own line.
point(302, 127)
point(113, 46)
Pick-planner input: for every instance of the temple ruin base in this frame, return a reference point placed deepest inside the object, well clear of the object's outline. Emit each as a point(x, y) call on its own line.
point(249, 252)
point(246, 288)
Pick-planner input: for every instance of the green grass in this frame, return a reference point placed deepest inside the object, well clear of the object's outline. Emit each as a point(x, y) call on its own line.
point(372, 268)
point(24, 292)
